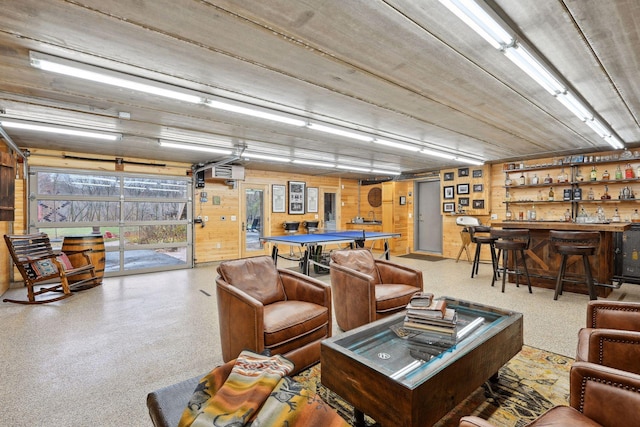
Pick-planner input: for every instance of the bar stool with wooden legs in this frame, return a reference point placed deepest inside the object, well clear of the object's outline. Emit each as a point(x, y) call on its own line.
point(514, 241)
point(579, 243)
point(483, 238)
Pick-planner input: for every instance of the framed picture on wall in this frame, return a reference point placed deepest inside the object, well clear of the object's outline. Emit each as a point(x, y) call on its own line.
point(312, 199)
point(448, 192)
point(463, 201)
point(477, 173)
point(448, 207)
point(463, 188)
point(297, 196)
point(478, 204)
point(477, 188)
point(463, 172)
point(278, 198)
point(448, 176)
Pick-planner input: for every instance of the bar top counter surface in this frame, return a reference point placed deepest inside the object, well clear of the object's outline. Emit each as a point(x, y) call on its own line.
point(562, 225)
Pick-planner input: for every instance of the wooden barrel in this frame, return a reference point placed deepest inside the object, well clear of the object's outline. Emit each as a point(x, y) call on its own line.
point(95, 242)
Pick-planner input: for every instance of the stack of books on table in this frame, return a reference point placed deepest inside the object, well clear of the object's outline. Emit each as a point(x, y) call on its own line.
point(428, 315)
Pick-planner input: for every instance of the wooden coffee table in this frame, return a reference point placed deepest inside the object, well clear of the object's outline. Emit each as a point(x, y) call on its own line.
point(416, 380)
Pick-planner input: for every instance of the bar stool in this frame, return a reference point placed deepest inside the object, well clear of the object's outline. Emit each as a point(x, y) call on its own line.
point(581, 243)
point(484, 238)
point(514, 241)
point(466, 222)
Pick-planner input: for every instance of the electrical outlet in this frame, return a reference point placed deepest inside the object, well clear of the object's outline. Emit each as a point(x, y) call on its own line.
point(494, 216)
point(206, 218)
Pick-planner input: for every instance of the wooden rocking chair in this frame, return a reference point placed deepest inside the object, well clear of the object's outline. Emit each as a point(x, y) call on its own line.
point(37, 263)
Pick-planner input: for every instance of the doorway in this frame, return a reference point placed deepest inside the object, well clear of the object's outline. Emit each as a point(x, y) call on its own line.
point(428, 219)
point(252, 211)
point(330, 210)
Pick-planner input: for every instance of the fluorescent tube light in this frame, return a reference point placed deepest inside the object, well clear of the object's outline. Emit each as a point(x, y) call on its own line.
point(399, 145)
point(195, 147)
point(250, 156)
point(353, 168)
point(574, 105)
point(480, 21)
point(254, 113)
point(440, 154)
point(614, 142)
point(101, 75)
point(340, 132)
point(385, 172)
point(314, 163)
point(61, 130)
point(520, 56)
point(598, 127)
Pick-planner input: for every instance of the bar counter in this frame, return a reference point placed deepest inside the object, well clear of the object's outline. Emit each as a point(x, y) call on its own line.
point(543, 261)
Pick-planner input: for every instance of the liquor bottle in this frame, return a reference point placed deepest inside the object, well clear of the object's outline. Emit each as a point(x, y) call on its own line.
point(605, 175)
point(636, 216)
point(532, 213)
point(628, 171)
point(562, 177)
point(618, 172)
point(535, 179)
point(616, 216)
point(522, 178)
point(508, 215)
point(606, 195)
point(567, 215)
point(551, 195)
point(507, 181)
point(594, 174)
point(591, 195)
point(548, 179)
point(507, 196)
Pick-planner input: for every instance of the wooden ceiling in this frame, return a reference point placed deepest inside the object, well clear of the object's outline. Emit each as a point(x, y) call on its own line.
point(401, 69)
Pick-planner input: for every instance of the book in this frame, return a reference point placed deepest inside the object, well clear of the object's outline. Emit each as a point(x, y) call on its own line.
point(450, 318)
point(448, 330)
point(437, 309)
point(422, 299)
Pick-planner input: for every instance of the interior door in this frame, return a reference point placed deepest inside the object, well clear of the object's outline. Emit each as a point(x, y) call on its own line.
point(329, 209)
point(252, 219)
point(428, 224)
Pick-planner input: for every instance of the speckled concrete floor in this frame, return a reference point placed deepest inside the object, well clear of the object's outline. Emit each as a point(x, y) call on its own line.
point(92, 359)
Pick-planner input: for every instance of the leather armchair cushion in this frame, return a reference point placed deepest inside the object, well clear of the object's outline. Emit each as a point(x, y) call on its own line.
point(610, 347)
point(559, 416)
point(391, 297)
point(257, 276)
point(613, 315)
point(292, 320)
point(359, 260)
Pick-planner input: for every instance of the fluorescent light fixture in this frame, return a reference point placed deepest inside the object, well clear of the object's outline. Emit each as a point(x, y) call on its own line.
point(480, 21)
point(614, 142)
point(399, 145)
point(598, 127)
point(336, 131)
point(60, 130)
point(440, 154)
point(574, 105)
point(520, 56)
point(353, 168)
point(474, 162)
point(195, 147)
point(314, 163)
point(108, 77)
point(385, 172)
point(250, 156)
point(254, 113)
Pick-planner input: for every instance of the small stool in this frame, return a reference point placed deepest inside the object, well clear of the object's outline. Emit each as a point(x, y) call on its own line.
point(514, 241)
point(483, 239)
point(466, 241)
point(580, 243)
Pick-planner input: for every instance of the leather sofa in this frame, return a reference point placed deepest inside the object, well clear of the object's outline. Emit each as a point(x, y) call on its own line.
point(612, 335)
point(367, 289)
point(599, 396)
point(262, 307)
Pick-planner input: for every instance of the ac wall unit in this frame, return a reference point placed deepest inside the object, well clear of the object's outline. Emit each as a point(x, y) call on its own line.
point(225, 172)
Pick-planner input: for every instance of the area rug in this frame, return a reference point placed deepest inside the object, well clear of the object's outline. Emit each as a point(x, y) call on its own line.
point(422, 257)
point(529, 384)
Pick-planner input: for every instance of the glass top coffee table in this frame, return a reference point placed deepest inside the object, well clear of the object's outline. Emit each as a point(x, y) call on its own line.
point(403, 378)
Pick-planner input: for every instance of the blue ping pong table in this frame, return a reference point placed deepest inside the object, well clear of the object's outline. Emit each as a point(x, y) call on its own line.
point(311, 242)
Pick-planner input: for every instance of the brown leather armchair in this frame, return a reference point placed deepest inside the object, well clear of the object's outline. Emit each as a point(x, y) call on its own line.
point(599, 396)
point(261, 307)
point(612, 335)
point(366, 289)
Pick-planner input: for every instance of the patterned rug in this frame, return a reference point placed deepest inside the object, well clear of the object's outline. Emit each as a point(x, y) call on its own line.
point(531, 383)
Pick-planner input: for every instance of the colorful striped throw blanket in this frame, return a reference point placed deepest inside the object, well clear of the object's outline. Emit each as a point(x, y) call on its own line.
point(256, 393)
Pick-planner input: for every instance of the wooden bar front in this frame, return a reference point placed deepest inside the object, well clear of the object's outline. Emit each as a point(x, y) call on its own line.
point(543, 261)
